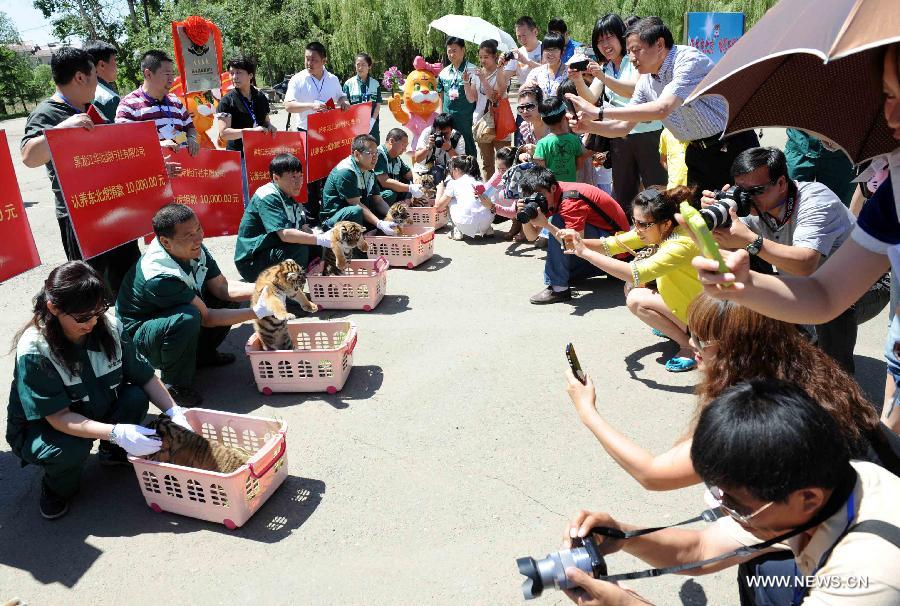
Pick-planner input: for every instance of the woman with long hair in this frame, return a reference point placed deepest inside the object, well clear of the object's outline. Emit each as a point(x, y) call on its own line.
point(490, 85)
point(77, 379)
point(735, 344)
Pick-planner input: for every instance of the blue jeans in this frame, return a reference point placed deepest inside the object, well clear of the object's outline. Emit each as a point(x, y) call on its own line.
point(560, 268)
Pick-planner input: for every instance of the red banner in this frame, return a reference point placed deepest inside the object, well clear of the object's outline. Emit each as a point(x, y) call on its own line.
point(260, 148)
point(113, 181)
point(17, 250)
point(331, 134)
point(210, 183)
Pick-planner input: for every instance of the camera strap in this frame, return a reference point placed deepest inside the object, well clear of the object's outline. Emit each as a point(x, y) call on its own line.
point(575, 195)
point(834, 503)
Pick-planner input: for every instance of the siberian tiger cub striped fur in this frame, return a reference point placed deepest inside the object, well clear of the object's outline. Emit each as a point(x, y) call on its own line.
point(399, 213)
point(345, 236)
point(274, 286)
point(189, 449)
point(429, 188)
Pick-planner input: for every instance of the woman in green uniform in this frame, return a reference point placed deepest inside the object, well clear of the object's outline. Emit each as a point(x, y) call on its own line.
point(77, 379)
point(458, 93)
point(271, 229)
point(363, 88)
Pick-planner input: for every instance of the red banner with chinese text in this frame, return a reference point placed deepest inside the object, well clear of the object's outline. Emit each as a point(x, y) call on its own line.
point(17, 250)
point(113, 180)
point(330, 136)
point(210, 183)
point(261, 147)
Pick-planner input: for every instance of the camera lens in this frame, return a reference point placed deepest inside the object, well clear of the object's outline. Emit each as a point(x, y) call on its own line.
point(532, 586)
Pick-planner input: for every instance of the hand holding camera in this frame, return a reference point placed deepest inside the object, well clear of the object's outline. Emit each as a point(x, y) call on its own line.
point(532, 209)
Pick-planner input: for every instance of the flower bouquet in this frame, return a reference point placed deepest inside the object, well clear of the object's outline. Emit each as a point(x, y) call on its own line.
point(393, 80)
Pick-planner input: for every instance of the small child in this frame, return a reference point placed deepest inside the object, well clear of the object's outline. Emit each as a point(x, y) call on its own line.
point(561, 151)
point(464, 193)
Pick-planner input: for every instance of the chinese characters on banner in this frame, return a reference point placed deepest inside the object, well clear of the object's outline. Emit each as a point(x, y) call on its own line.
point(210, 183)
point(713, 33)
point(330, 136)
point(113, 180)
point(260, 148)
point(17, 250)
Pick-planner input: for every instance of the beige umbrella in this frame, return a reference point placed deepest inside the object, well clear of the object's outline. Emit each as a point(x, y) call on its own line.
point(815, 65)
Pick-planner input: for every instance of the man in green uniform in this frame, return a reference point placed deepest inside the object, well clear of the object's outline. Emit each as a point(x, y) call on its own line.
point(351, 192)
point(176, 304)
point(106, 99)
point(393, 175)
point(458, 93)
point(273, 227)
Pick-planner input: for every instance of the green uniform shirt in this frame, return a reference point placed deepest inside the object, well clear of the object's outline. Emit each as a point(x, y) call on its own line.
point(158, 282)
point(270, 210)
point(48, 114)
point(106, 100)
point(43, 385)
point(346, 181)
point(451, 79)
point(358, 91)
point(560, 153)
point(394, 168)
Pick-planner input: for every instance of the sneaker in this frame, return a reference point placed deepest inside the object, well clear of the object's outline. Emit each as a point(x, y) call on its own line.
point(541, 243)
point(52, 505)
point(185, 395)
point(548, 295)
point(456, 234)
point(111, 455)
point(216, 358)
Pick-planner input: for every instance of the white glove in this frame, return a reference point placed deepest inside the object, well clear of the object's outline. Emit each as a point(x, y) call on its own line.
point(133, 438)
point(324, 240)
point(176, 413)
point(260, 309)
point(415, 190)
point(388, 229)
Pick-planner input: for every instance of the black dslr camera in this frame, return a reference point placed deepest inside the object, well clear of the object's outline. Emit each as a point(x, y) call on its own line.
point(533, 203)
point(738, 198)
point(509, 56)
point(551, 571)
point(439, 140)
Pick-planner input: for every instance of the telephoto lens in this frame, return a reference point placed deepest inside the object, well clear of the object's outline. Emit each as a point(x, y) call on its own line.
point(439, 141)
point(533, 204)
point(736, 197)
point(550, 572)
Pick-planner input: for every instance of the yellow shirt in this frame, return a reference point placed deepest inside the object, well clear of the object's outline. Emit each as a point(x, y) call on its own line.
point(670, 266)
point(673, 150)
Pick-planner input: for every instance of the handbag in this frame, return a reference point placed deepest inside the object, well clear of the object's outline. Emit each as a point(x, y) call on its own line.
point(483, 130)
point(504, 120)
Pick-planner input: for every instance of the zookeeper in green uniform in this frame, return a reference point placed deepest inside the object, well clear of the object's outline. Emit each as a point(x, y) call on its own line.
point(362, 88)
point(77, 379)
point(177, 306)
point(273, 227)
point(351, 191)
point(394, 176)
point(458, 93)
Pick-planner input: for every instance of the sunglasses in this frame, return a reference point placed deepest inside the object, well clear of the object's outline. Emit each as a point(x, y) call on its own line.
point(526, 107)
point(742, 518)
point(87, 317)
point(643, 224)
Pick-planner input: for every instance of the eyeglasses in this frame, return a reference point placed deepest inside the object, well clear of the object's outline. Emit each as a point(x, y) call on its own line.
point(701, 344)
point(85, 318)
point(526, 107)
point(368, 152)
point(642, 225)
point(739, 517)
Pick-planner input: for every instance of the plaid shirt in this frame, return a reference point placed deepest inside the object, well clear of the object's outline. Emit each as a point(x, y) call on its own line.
point(681, 71)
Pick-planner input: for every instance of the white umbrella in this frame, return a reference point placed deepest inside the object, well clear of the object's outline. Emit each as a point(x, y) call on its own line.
point(473, 29)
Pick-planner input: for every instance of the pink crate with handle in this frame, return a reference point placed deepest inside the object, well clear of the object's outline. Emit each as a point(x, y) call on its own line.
point(409, 250)
point(429, 216)
point(228, 499)
point(361, 286)
point(321, 361)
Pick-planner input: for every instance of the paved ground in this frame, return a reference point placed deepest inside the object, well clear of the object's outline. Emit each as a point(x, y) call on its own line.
point(452, 450)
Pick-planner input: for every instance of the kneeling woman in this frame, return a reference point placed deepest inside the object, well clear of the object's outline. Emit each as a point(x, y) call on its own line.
point(665, 308)
point(78, 379)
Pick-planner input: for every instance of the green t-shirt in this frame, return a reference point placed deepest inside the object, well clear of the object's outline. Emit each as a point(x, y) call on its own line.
point(48, 114)
point(345, 181)
point(560, 152)
point(358, 91)
point(394, 169)
point(106, 100)
point(146, 291)
point(43, 385)
point(270, 210)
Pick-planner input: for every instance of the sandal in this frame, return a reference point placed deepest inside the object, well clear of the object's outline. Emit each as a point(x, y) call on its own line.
point(680, 364)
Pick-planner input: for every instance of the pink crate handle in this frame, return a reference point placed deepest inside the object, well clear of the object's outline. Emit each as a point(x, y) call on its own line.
point(428, 238)
point(270, 464)
point(381, 265)
point(352, 345)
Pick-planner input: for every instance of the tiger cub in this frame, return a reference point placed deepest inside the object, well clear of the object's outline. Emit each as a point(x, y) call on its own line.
point(399, 213)
point(189, 449)
point(274, 286)
point(345, 236)
point(429, 188)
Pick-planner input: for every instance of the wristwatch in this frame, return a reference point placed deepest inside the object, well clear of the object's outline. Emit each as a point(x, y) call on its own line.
point(754, 247)
point(600, 117)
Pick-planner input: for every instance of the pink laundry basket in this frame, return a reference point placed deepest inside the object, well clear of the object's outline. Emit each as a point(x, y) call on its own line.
point(429, 216)
point(321, 361)
point(361, 286)
point(228, 499)
point(414, 247)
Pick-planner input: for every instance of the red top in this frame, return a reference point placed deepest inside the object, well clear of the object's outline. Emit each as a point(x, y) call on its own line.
point(576, 212)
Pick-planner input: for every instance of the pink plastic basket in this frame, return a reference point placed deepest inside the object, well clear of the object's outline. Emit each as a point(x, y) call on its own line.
point(321, 362)
point(362, 285)
point(409, 250)
point(228, 499)
point(429, 216)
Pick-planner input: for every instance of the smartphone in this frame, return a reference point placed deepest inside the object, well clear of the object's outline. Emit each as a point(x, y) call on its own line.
point(579, 66)
point(705, 240)
point(574, 364)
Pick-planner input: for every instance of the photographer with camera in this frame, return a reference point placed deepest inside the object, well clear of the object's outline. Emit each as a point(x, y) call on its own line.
point(555, 205)
point(777, 465)
point(438, 143)
point(793, 226)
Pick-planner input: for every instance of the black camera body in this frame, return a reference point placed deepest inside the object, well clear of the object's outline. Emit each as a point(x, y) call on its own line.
point(533, 204)
point(736, 197)
point(509, 56)
point(439, 140)
point(579, 66)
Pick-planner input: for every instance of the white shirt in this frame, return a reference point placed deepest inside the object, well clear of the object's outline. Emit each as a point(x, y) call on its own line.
point(523, 69)
point(305, 88)
point(440, 156)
